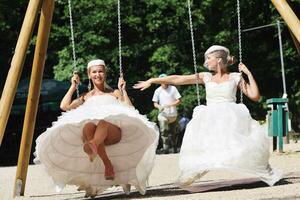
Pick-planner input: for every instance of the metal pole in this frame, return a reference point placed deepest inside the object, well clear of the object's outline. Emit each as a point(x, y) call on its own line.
point(280, 127)
point(33, 95)
point(259, 27)
point(281, 58)
point(17, 63)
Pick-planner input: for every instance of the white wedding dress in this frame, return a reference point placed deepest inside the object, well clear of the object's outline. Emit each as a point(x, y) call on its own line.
point(222, 135)
point(60, 148)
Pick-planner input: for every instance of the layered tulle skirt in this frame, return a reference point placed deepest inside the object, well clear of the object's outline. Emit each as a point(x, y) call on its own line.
point(60, 148)
point(223, 136)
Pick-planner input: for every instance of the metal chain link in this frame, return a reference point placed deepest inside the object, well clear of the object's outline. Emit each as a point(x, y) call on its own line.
point(238, 10)
point(120, 40)
point(193, 49)
point(75, 70)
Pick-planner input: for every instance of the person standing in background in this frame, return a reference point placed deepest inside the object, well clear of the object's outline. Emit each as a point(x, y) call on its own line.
point(165, 99)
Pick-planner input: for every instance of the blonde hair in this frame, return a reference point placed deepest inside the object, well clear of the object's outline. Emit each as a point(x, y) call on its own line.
point(226, 59)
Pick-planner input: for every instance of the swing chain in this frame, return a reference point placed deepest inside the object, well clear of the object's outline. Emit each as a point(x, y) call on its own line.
point(193, 49)
point(75, 70)
point(240, 44)
point(120, 40)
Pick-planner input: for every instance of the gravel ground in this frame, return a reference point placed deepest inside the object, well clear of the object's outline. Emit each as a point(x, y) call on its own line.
point(215, 185)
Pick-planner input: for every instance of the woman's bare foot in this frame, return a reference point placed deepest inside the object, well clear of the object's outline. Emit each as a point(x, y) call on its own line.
point(90, 149)
point(109, 173)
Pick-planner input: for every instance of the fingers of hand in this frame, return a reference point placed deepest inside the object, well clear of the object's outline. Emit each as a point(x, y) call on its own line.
point(75, 80)
point(141, 85)
point(241, 67)
point(137, 85)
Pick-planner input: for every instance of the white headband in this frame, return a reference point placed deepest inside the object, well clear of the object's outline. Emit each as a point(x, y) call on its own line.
point(216, 48)
point(95, 63)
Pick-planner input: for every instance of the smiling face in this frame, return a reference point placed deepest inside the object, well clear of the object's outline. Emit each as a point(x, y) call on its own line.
point(97, 74)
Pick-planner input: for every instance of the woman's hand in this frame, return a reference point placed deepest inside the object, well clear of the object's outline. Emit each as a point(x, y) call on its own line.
point(75, 80)
point(122, 84)
point(142, 85)
point(244, 69)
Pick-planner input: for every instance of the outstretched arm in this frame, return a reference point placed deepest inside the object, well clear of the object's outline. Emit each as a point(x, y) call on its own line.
point(249, 89)
point(67, 103)
point(171, 80)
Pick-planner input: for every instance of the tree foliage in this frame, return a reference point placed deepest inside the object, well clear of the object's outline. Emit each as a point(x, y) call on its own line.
point(156, 39)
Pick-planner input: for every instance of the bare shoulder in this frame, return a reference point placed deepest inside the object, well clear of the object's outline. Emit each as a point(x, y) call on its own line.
point(86, 95)
point(203, 74)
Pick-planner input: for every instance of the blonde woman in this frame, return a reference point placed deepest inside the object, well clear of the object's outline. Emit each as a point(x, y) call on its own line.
point(101, 140)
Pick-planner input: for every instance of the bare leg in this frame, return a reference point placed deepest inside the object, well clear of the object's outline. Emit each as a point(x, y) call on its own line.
point(88, 134)
point(89, 131)
point(106, 134)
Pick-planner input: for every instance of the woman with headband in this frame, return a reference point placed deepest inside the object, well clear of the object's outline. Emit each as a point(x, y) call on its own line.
point(221, 135)
point(101, 140)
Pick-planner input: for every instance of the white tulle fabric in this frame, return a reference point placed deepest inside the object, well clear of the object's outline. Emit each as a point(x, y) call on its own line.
point(222, 135)
point(60, 148)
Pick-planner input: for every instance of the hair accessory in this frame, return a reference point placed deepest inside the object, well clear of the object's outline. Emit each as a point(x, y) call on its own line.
point(95, 63)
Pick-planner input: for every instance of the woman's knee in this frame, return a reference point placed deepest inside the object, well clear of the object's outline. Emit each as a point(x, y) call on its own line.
point(103, 124)
point(89, 127)
point(114, 135)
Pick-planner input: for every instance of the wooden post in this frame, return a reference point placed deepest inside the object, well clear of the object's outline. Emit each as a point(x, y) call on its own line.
point(33, 95)
point(297, 43)
point(288, 16)
point(17, 63)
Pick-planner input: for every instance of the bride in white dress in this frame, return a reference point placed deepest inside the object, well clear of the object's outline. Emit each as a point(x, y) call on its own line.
point(100, 141)
point(221, 135)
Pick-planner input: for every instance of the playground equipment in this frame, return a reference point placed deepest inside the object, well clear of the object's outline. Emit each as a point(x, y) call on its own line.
point(46, 8)
point(278, 116)
point(193, 49)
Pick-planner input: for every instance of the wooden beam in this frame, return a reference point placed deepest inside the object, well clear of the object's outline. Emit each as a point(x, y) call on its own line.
point(288, 16)
point(17, 63)
point(33, 95)
point(297, 44)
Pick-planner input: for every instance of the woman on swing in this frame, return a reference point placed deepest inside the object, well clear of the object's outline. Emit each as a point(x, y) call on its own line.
point(100, 123)
point(222, 134)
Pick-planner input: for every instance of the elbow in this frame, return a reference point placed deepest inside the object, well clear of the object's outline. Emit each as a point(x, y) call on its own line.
point(256, 98)
point(63, 107)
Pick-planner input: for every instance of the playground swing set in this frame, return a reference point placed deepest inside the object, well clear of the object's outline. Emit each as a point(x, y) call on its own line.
point(277, 115)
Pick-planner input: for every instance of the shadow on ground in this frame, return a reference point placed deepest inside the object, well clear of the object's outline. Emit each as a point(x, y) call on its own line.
point(168, 190)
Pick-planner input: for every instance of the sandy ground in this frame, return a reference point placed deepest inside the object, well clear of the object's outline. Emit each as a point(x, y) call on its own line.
point(214, 185)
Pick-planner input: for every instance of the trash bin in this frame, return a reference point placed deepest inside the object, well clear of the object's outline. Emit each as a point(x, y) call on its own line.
point(277, 120)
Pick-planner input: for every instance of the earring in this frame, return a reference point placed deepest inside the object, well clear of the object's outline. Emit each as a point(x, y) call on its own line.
point(89, 85)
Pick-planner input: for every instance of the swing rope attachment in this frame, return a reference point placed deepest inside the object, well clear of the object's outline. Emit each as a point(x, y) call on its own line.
point(75, 70)
point(238, 10)
point(193, 49)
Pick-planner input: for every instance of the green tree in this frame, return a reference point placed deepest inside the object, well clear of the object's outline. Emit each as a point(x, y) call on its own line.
point(156, 39)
